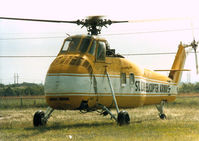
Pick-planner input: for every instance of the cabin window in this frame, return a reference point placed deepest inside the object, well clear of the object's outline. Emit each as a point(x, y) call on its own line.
point(131, 79)
point(73, 44)
point(123, 79)
point(84, 45)
point(101, 51)
point(92, 48)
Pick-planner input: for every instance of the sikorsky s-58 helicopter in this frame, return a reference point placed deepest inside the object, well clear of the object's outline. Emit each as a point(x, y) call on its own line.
point(87, 75)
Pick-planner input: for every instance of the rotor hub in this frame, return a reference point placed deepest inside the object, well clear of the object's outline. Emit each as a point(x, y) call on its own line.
point(94, 24)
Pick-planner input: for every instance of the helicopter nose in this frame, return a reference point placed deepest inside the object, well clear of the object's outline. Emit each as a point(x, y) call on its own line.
point(66, 83)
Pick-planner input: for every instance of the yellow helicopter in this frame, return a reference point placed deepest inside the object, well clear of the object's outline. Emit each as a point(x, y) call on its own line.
point(88, 75)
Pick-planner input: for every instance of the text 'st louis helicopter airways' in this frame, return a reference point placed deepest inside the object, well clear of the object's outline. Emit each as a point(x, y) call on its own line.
point(88, 75)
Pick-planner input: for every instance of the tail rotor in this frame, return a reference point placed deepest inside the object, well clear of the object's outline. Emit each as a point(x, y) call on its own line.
point(194, 46)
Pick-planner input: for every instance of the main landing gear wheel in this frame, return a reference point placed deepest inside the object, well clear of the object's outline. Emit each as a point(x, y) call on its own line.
point(162, 116)
point(38, 118)
point(123, 118)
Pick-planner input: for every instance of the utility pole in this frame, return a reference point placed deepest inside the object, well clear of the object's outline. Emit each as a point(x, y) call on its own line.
point(188, 76)
point(17, 78)
point(14, 78)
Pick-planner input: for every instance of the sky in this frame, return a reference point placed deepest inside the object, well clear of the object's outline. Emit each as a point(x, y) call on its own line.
point(35, 38)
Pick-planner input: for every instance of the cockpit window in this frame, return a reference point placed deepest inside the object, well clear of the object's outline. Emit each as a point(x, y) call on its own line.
point(71, 45)
point(101, 51)
point(92, 48)
point(84, 45)
point(66, 44)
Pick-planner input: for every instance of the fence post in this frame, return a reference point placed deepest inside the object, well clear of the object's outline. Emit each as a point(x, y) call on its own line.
point(34, 102)
point(21, 102)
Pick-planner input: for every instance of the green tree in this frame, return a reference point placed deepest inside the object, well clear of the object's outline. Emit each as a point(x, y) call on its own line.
point(8, 92)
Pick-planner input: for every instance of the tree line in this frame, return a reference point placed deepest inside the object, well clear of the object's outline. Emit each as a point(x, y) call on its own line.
point(23, 89)
point(189, 88)
point(32, 89)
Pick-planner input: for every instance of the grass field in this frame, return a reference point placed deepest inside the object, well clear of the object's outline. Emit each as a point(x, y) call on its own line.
point(182, 124)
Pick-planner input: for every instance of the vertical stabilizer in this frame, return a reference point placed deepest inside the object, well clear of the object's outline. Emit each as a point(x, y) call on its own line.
point(178, 65)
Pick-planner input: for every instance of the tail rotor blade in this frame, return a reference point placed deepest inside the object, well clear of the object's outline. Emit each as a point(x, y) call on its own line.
point(194, 46)
point(196, 58)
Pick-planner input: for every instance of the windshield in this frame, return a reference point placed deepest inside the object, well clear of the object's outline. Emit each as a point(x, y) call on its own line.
point(78, 45)
point(84, 45)
point(71, 45)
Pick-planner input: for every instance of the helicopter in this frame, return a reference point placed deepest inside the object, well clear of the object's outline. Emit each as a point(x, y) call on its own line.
point(88, 75)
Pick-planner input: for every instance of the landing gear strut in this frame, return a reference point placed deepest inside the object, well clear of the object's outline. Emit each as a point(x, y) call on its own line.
point(160, 108)
point(40, 118)
point(122, 116)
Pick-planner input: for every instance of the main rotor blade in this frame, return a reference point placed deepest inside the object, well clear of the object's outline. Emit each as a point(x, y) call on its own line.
point(119, 21)
point(38, 20)
point(157, 20)
point(151, 20)
point(61, 21)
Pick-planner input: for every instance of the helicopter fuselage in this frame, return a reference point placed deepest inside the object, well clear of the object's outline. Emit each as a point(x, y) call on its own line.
point(77, 77)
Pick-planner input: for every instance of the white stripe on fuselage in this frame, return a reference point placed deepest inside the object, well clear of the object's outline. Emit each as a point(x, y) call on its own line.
point(83, 85)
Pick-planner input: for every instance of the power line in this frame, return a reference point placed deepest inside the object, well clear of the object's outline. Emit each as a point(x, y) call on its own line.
point(52, 56)
point(28, 56)
point(140, 54)
point(158, 53)
point(22, 38)
point(144, 32)
point(155, 31)
point(32, 33)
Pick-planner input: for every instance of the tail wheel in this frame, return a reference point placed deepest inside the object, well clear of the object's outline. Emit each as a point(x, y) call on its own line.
point(37, 119)
point(123, 118)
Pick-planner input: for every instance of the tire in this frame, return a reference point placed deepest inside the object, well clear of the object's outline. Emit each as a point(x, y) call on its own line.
point(123, 118)
point(162, 116)
point(37, 119)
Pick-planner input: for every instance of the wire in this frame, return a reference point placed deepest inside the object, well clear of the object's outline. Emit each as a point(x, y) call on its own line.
point(155, 31)
point(53, 56)
point(144, 32)
point(22, 38)
point(22, 56)
point(158, 53)
point(140, 54)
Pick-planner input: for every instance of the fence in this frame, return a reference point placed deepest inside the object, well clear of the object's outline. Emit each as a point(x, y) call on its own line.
point(39, 101)
point(22, 101)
